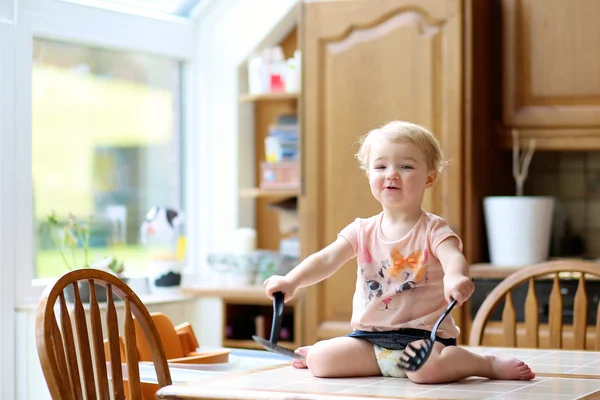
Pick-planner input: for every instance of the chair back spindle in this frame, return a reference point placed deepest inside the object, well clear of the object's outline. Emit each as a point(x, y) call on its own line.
point(74, 358)
point(556, 328)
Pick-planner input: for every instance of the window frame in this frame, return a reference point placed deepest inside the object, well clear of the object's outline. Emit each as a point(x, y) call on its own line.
point(84, 25)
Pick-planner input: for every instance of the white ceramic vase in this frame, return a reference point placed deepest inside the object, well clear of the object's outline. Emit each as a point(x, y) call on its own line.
point(519, 229)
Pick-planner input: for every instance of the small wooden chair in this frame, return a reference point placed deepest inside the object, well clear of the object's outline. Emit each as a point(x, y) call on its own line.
point(62, 364)
point(575, 269)
point(179, 342)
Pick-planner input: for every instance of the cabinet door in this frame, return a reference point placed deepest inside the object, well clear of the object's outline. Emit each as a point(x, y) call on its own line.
point(366, 63)
point(551, 64)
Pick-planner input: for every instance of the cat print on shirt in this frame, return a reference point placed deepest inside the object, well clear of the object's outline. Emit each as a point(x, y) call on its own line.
point(399, 272)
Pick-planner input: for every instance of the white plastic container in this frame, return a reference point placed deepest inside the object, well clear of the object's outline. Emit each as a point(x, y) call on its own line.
point(257, 75)
point(293, 73)
point(518, 229)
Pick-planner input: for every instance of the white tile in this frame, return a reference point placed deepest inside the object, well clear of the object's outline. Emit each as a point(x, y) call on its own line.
point(245, 383)
point(562, 390)
point(590, 384)
point(314, 387)
point(385, 391)
point(517, 396)
point(361, 381)
point(457, 394)
point(406, 383)
point(550, 369)
point(590, 370)
point(490, 386)
point(584, 356)
point(566, 362)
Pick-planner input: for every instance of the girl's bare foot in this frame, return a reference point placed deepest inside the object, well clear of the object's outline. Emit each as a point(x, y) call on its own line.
point(510, 369)
point(303, 351)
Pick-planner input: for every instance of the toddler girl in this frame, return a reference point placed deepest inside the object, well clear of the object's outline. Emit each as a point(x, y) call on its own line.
point(410, 266)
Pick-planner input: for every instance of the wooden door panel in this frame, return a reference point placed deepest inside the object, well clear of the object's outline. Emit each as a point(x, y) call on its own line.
point(551, 64)
point(366, 66)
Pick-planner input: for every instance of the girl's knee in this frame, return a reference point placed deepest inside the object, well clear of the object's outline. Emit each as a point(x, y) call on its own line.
point(320, 360)
point(429, 373)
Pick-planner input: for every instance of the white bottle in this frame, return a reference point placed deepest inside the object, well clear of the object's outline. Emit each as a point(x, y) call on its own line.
point(256, 75)
point(293, 73)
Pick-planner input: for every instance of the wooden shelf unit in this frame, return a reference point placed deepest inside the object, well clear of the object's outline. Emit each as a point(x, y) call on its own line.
point(266, 108)
point(268, 193)
point(247, 97)
point(247, 301)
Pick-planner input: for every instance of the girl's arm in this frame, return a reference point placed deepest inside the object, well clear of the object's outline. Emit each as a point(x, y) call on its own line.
point(457, 284)
point(452, 259)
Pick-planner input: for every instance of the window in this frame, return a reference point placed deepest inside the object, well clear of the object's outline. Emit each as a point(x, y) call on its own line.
point(106, 141)
point(181, 8)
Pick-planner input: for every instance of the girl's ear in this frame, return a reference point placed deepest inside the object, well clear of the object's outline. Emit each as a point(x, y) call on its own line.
point(431, 178)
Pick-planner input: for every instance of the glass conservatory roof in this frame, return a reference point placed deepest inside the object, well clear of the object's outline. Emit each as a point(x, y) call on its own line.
point(181, 8)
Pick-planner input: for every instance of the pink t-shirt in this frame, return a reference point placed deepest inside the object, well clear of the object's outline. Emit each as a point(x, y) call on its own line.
point(399, 283)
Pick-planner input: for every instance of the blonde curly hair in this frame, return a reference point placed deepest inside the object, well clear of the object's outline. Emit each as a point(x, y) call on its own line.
point(402, 131)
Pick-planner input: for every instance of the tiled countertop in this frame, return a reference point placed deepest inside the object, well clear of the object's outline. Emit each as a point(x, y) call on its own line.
point(560, 374)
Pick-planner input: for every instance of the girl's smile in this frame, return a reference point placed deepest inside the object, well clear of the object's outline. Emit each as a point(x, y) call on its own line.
point(398, 173)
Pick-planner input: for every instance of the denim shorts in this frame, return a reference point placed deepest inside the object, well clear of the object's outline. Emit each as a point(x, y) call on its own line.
point(398, 339)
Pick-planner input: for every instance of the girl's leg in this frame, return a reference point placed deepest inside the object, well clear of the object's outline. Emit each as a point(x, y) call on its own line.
point(339, 357)
point(452, 363)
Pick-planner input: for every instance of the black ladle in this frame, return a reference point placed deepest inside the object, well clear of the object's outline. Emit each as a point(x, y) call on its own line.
point(271, 344)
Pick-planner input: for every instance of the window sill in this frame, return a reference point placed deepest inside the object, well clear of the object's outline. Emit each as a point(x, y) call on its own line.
point(139, 285)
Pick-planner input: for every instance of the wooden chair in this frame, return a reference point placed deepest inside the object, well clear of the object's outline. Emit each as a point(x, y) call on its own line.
point(64, 365)
point(554, 269)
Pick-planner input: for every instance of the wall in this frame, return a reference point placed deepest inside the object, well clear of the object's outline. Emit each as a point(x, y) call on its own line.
point(227, 33)
point(7, 200)
point(573, 178)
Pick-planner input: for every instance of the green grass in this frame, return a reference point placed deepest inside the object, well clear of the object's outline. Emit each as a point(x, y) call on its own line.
point(49, 263)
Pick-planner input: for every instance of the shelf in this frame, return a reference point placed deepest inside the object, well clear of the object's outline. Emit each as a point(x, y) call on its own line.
point(240, 294)
point(266, 193)
point(247, 97)
point(251, 344)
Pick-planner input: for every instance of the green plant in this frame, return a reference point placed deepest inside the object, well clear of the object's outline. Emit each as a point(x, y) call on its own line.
point(74, 235)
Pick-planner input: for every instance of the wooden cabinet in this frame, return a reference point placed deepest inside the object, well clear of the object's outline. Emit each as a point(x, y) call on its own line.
point(366, 63)
point(551, 72)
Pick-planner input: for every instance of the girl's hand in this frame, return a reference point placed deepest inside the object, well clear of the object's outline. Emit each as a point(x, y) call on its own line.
point(458, 287)
point(277, 283)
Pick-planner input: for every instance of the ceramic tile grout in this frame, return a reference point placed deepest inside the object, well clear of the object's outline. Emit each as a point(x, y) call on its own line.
point(419, 391)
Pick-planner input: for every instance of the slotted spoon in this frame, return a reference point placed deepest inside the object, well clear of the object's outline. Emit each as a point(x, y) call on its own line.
point(271, 344)
point(421, 354)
